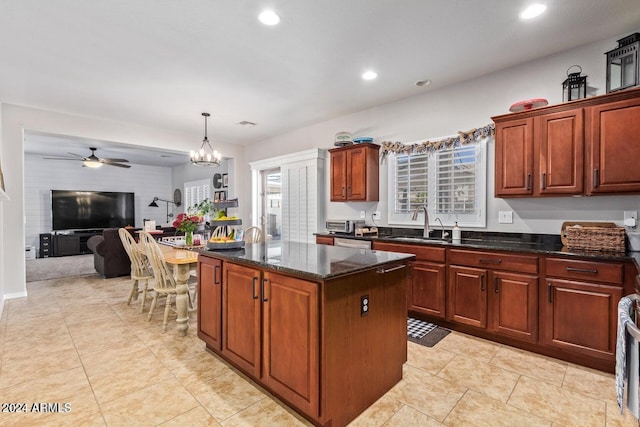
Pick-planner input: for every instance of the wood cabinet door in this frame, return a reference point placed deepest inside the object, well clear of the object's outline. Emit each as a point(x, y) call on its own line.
point(559, 148)
point(357, 174)
point(338, 161)
point(514, 158)
point(427, 284)
point(241, 316)
point(291, 340)
point(581, 317)
point(615, 147)
point(514, 305)
point(467, 296)
point(210, 301)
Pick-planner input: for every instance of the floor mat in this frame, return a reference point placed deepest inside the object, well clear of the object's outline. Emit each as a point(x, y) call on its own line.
point(425, 333)
point(418, 328)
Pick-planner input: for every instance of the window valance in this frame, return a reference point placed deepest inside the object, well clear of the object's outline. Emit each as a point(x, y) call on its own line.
point(469, 137)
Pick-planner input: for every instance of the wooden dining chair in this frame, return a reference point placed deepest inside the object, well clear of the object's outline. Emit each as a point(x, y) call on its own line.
point(253, 235)
point(140, 268)
point(165, 283)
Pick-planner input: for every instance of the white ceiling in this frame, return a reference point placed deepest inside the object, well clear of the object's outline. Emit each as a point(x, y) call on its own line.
point(161, 63)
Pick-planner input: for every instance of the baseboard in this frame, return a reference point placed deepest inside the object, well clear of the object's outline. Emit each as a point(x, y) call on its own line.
point(15, 295)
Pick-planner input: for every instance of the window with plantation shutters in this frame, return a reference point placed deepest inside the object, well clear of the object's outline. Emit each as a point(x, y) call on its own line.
point(451, 182)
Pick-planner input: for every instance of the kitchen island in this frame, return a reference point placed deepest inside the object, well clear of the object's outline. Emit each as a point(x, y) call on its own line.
point(323, 328)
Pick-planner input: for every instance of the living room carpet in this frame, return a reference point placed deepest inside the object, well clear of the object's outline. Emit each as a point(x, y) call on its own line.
point(424, 333)
point(56, 267)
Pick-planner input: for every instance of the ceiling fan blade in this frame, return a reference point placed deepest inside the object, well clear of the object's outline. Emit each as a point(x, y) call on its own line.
point(117, 164)
point(74, 154)
point(59, 158)
point(115, 160)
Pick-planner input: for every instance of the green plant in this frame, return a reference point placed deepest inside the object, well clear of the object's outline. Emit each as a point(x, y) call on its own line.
point(203, 208)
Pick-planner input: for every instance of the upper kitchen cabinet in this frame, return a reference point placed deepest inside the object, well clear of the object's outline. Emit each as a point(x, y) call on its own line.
point(355, 173)
point(582, 147)
point(614, 135)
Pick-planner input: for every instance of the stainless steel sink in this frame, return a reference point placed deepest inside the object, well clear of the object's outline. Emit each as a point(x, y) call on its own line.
point(418, 239)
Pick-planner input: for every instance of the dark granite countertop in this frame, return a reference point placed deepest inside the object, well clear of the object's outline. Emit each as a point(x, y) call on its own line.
point(316, 262)
point(512, 242)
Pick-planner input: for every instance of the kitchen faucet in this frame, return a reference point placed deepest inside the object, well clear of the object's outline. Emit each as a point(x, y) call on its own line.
point(426, 231)
point(444, 233)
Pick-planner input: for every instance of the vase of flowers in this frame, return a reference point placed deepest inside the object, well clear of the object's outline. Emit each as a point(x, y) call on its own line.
point(188, 224)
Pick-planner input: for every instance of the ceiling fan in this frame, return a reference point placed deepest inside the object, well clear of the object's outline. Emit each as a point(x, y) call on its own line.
point(93, 161)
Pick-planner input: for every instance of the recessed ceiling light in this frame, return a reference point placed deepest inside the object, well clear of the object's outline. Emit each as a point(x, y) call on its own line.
point(369, 75)
point(532, 11)
point(269, 17)
point(423, 82)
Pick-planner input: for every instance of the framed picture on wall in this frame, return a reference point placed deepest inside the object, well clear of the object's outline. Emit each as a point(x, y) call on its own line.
point(217, 180)
point(225, 180)
point(223, 196)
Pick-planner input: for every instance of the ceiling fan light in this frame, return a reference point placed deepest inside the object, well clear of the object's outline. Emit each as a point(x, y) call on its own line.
point(92, 164)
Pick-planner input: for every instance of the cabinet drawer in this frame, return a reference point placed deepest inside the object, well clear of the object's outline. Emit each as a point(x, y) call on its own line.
point(589, 270)
point(422, 253)
point(495, 261)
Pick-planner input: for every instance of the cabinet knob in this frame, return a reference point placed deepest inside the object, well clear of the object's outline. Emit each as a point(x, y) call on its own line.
point(544, 181)
point(528, 181)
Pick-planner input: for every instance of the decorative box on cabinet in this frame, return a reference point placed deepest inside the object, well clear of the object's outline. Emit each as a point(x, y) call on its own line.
point(584, 147)
point(355, 173)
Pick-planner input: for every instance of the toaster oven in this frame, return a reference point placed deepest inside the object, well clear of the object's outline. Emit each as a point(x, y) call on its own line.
point(342, 225)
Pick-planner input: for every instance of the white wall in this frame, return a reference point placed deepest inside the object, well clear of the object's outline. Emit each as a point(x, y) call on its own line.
point(42, 176)
point(443, 112)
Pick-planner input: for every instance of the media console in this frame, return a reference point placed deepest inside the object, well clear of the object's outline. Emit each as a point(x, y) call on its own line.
point(73, 243)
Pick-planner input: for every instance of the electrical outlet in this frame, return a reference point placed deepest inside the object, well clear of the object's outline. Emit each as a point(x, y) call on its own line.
point(376, 215)
point(363, 214)
point(364, 305)
point(505, 217)
point(630, 218)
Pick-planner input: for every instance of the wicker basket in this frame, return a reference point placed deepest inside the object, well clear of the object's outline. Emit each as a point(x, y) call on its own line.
point(610, 239)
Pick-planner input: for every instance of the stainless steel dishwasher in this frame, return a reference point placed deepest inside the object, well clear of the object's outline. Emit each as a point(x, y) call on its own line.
point(352, 243)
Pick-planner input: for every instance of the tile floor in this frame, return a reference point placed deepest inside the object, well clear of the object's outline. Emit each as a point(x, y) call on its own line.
point(76, 341)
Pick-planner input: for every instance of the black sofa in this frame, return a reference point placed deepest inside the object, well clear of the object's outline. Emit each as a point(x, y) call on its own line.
point(109, 257)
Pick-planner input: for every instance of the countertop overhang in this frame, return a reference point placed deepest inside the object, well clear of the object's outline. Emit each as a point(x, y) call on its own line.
point(315, 262)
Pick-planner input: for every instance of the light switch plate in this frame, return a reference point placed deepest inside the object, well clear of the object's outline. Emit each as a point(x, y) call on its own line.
point(505, 217)
point(630, 218)
point(363, 214)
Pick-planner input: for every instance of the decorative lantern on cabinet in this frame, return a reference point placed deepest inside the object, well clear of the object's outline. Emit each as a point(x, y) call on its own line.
point(623, 70)
point(575, 86)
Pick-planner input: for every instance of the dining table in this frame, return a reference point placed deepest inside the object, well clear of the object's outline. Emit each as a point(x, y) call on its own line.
point(183, 261)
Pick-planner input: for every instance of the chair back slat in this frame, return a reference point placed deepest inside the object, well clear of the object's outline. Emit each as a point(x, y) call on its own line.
point(253, 235)
point(163, 276)
point(139, 264)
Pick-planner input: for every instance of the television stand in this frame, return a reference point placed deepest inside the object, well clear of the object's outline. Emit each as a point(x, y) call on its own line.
point(72, 244)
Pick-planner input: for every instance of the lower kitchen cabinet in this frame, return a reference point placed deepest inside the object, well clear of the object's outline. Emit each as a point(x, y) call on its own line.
point(270, 330)
point(468, 296)
point(581, 307)
point(210, 301)
point(502, 299)
point(426, 293)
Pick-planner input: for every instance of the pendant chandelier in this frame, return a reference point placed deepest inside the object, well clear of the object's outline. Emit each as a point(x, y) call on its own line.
point(206, 156)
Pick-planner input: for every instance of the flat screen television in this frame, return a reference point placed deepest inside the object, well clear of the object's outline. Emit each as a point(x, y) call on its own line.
point(89, 210)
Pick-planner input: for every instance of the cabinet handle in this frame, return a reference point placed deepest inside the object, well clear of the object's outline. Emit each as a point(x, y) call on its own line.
point(215, 275)
point(490, 261)
point(482, 282)
point(544, 181)
point(262, 291)
point(528, 181)
point(596, 178)
point(383, 271)
point(253, 288)
point(549, 292)
point(495, 285)
point(343, 194)
point(582, 270)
